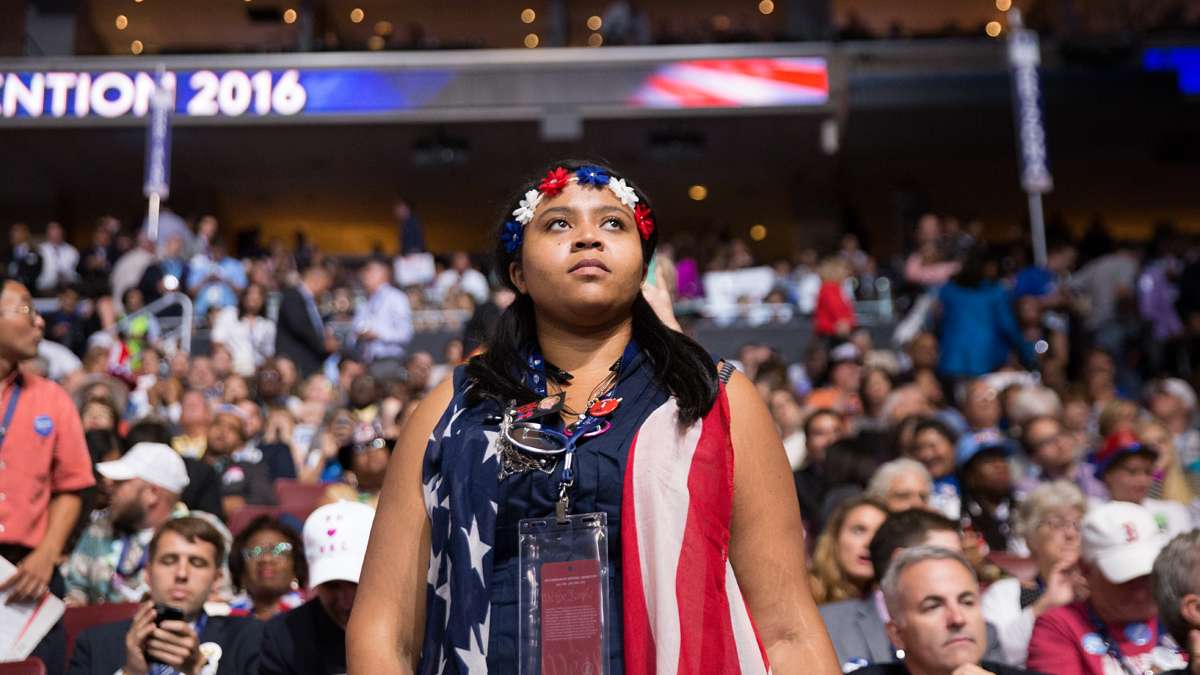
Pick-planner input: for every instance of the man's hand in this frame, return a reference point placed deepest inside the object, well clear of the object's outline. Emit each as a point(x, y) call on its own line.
point(143, 625)
point(367, 336)
point(32, 578)
point(176, 644)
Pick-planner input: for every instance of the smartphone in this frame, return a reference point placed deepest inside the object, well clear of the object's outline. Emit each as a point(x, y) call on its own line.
point(166, 613)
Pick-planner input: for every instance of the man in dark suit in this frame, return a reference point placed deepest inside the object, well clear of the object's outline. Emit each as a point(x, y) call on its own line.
point(300, 333)
point(936, 619)
point(183, 568)
point(857, 627)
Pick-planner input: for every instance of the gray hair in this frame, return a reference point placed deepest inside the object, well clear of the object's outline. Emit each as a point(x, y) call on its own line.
point(1035, 401)
point(890, 586)
point(881, 481)
point(1059, 494)
point(1174, 577)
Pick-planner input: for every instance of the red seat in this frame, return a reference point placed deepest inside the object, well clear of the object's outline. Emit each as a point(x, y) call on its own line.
point(77, 619)
point(239, 519)
point(294, 496)
point(30, 666)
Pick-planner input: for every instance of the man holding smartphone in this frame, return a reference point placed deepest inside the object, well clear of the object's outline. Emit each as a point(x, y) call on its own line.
point(171, 633)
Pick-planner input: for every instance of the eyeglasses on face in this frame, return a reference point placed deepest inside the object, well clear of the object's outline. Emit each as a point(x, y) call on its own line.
point(22, 310)
point(281, 550)
point(1059, 524)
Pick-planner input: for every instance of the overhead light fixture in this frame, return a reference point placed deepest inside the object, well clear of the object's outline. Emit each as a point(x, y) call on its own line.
point(289, 16)
point(122, 22)
point(1003, 5)
point(595, 40)
point(528, 15)
point(698, 192)
point(994, 29)
point(531, 40)
point(375, 43)
point(357, 15)
point(758, 232)
point(136, 47)
point(383, 28)
point(766, 7)
point(595, 23)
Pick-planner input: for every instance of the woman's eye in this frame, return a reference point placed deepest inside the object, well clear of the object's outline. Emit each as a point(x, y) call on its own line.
point(557, 224)
point(613, 223)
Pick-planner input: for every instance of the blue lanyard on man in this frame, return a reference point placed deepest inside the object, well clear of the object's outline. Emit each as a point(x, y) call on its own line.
point(10, 410)
point(198, 626)
point(1112, 648)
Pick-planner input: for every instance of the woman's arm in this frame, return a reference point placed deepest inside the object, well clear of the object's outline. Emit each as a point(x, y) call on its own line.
point(388, 623)
point(767, 542)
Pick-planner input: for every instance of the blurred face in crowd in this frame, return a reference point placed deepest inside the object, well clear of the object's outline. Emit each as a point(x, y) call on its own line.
point(182, 573)
point(1099, 371)
point(982, 406)
point(270, 564)
point(288, 373)
point(935, 451)
point(1129, 478)
point(207, 227)
point(128, 503)
point(1048, 445)
point(1120, 603)
point(939, 621)
point(97, 416)
point(201, 375)
point(226, 435)
point(1166, 407)
point(254, 417)
point(927, 382)
point(254, 300)
point(1076, 414)
point(54, 232)
point(1029, 311)
point(21, 328)
point(318, 389)
point(853, 542)
point(222, 361)
point(876, 387)
point(581, 260)
point(908, 490)
point(923, 351)
point(337, 598)
point(823, 431)
point(453, 352)
point(174, 247)
point(374, 276)
point(194, 411)
point(419, 367)
point(363, 391)
point(269, 383)
point(786, 412)
point(1056, 537)
point(369, 466)
point(988, 474)
point(846, 376)
point(236, 389)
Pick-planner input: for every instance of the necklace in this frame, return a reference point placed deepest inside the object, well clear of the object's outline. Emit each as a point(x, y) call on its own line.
point(560, 377)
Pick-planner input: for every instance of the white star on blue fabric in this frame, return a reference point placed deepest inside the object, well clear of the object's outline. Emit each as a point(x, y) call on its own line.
point(492, 449)
point(473, 657)
point(478, 549)
point(450, 424)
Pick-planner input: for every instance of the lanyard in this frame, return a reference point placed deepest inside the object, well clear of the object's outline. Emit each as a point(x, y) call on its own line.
point(10, 411)
point(125, 544)
point(1110, 644)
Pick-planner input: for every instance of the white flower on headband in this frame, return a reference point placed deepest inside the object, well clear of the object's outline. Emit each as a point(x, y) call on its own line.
point(524, 212)
point(623, 192)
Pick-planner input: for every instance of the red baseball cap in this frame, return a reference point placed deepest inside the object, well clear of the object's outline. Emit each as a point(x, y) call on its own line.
point(1118, 444)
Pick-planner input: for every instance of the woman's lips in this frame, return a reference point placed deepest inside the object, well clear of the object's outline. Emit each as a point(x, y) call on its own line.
point(589, 264)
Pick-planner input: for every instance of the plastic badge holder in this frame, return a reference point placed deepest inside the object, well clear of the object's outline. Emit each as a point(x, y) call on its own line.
point(564, 605)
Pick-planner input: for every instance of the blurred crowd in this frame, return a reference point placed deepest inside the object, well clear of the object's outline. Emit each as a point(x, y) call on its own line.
point(1038, 420)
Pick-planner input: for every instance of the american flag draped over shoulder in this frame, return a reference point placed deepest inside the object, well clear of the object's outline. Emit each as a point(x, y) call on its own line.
point(682, 607)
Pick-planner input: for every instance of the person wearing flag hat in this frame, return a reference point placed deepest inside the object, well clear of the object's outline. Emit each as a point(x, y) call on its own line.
point(1116, 628)
point(1126, 467)
point(987, 487)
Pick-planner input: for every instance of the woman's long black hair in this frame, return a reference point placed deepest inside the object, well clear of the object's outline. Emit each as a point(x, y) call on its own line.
point(681, 366)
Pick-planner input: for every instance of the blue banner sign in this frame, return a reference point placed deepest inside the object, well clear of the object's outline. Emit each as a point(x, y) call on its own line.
point(1185, 61)
point(1024, 55)
point(218, 93)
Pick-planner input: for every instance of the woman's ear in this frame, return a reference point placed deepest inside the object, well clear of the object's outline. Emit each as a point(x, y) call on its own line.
point(517, 274)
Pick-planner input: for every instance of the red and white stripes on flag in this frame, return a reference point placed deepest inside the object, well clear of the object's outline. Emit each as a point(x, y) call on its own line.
point(735, 83)
point(683, 610)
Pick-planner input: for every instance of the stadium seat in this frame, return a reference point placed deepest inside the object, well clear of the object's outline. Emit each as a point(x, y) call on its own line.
point(30, 666)
point(78, 619)
point(294, 496)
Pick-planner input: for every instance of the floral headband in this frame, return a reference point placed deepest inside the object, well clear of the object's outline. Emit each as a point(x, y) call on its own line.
point(556, 179)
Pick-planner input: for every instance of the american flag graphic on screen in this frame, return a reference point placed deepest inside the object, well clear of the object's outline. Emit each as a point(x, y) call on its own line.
point(735, 83)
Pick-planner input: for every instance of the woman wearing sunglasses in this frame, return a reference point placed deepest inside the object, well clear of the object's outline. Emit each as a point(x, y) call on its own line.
point(585, 403)
point(268, 567)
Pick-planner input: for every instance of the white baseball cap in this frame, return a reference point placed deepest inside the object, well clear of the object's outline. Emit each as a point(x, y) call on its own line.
point(335, 542)
point(1122, 539)
point(155, 463)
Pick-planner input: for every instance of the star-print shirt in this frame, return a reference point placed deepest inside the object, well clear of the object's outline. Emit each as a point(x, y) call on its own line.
point(1066, 642)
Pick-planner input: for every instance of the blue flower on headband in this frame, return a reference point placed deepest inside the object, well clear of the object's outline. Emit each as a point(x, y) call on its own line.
point(513, 235)
point(591, 175)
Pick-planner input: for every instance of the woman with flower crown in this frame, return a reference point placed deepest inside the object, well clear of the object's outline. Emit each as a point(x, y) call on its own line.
point(585, 411)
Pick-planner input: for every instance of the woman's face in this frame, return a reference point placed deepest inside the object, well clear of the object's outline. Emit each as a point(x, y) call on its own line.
point(255, 299)
point(1056, 539)
point(268, 572)
point(581, 260)
point(934, 451)
point(236, 389)
point(369, 468)
point(877, 387)
point(1129, 478)
point(854, 539)
point(97, 416)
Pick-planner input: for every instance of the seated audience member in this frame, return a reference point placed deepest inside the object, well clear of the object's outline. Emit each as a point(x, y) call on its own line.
point(183, 566)
point(841, 567)
point(311, 639)
point(986, 483)
point(901, 484)
point(933, 445)
point(242, 483)
point(823, 428)
point(268, 568)
point(1049, 521)
point(1116, 628)
point(845, 380)
point(849, 465)
point(364, 462)
point(1055, 455)
point(143, 488)
point(203, 491)
point(195, 418)
point(1170, 479)
point(277, 457)
point(1177, 594)
point(857, 626)
point(932, 596)
point(1127, 469)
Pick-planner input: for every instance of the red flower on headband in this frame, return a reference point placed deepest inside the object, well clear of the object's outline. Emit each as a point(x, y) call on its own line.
point(645, 221)
point(554, 182)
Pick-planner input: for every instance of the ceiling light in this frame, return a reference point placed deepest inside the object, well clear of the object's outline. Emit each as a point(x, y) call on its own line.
point(698, 192)
point(994, 29)
point(136, 47)
point(758, 232)
point(594, 23)
point(375, 43)
point(356, 15)
point(528, 15)
point(122, 22)
point(595, 40)
point(531, 40)
point(289, 16)
point(766, 7)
